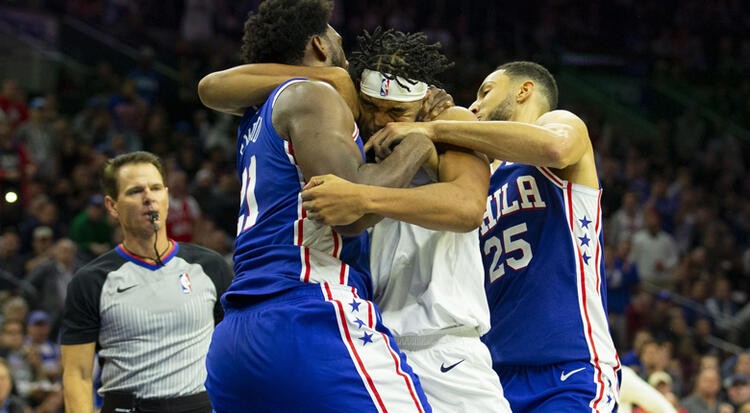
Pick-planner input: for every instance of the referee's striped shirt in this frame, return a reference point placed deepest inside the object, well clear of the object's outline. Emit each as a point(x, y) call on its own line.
point(152, 325)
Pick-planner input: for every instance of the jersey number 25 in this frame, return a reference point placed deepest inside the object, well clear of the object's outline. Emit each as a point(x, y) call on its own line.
point(502, 249)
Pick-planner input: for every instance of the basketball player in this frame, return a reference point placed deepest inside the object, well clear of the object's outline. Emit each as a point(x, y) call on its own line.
point(541, 239)
point(428, 282)
point(300, 332)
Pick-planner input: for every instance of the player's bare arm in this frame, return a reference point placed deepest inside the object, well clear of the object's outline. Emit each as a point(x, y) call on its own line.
point(319, 125)
point(455, 203)
point(559, 140)
point(235, 89)
point(78, 363)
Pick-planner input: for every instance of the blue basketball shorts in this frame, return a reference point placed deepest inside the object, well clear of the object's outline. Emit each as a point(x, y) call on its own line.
point(316, 348)
point(563, 387)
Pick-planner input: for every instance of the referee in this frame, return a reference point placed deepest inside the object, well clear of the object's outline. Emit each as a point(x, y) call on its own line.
point(148, 306)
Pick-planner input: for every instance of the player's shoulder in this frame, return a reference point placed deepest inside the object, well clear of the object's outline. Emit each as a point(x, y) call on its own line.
point(456, 113)
point(307, 93)
point(560, 116)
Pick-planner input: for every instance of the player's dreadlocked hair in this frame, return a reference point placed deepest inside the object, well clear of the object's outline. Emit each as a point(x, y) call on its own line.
point(279, 30)
point(407, 55)
point(536, 72)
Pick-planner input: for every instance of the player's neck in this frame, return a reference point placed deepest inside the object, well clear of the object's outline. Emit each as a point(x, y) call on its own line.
point(527, 113)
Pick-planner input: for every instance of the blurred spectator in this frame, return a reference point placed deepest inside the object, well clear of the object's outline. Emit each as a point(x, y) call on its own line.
point(654, 251)
point(128, 111)
point(184, 211)
point(42, 242)
point(738, 390)
point(197, 22)
point(91, 229)
point(15, 308)
point(42, 213)
point(145, 78)
point(93, 124)
point(11, 403)
point(632, 358)
point(638, 314)
point(662, 382)
point(705, 396)
point(662, 203)
point(634, 391)
point(13, 109)
point(36, 135)
point(46, 394)
point(16, 168)
point(622, 279)
point(11, 346)
point(626, 221)
point(720, 305)
point(50, 279)
point(10, 253)
point(653, 357)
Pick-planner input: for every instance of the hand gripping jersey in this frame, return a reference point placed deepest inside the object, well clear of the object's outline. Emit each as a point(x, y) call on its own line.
point(277, 247)
point(541, 241)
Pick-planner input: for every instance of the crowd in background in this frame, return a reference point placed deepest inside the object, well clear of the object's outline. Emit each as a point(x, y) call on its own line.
point(676, 207)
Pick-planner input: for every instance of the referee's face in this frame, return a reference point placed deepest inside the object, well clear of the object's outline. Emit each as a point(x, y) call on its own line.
point(141, 190)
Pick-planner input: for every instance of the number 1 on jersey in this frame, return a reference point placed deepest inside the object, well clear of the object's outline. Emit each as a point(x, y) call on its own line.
point(247, 198)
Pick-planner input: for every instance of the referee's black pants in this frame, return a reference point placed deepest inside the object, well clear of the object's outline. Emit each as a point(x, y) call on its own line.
point(123, 402)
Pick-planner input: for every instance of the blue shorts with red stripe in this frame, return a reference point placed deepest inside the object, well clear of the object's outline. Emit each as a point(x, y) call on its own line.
point(563, 387)
point(316, 348)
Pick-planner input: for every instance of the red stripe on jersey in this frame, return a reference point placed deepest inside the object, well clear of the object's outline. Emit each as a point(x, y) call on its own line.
point(552, 177)
point(342, 317)
point(355, 134)
point(409, 384)
point(589, 329)
point(342, 274)
point(306, 263)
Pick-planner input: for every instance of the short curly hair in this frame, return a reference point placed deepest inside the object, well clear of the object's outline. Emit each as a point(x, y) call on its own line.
point(279, 30)
point(406, 55)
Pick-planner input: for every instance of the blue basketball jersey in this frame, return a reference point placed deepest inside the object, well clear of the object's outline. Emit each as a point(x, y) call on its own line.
point(541, 240)
point(277, 246)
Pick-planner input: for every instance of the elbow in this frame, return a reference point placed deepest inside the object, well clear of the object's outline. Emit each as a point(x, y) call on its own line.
point(471, 216)
point(206, 88)
point(559, 155)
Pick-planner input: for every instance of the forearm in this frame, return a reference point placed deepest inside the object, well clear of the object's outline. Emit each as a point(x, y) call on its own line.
point(78, 393)
point(232, 90)
point(398, 169)
point(442, 206)
point(508, 141)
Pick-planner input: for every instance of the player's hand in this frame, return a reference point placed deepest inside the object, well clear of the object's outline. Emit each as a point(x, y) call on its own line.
point(435, 102)
point(330, 200)
point(384, 140)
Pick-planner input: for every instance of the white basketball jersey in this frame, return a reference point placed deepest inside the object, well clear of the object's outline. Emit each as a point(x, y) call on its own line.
point(428, 282)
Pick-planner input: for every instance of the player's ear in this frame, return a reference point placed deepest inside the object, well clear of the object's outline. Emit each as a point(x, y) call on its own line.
point(525, 91)
point(318, 47)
